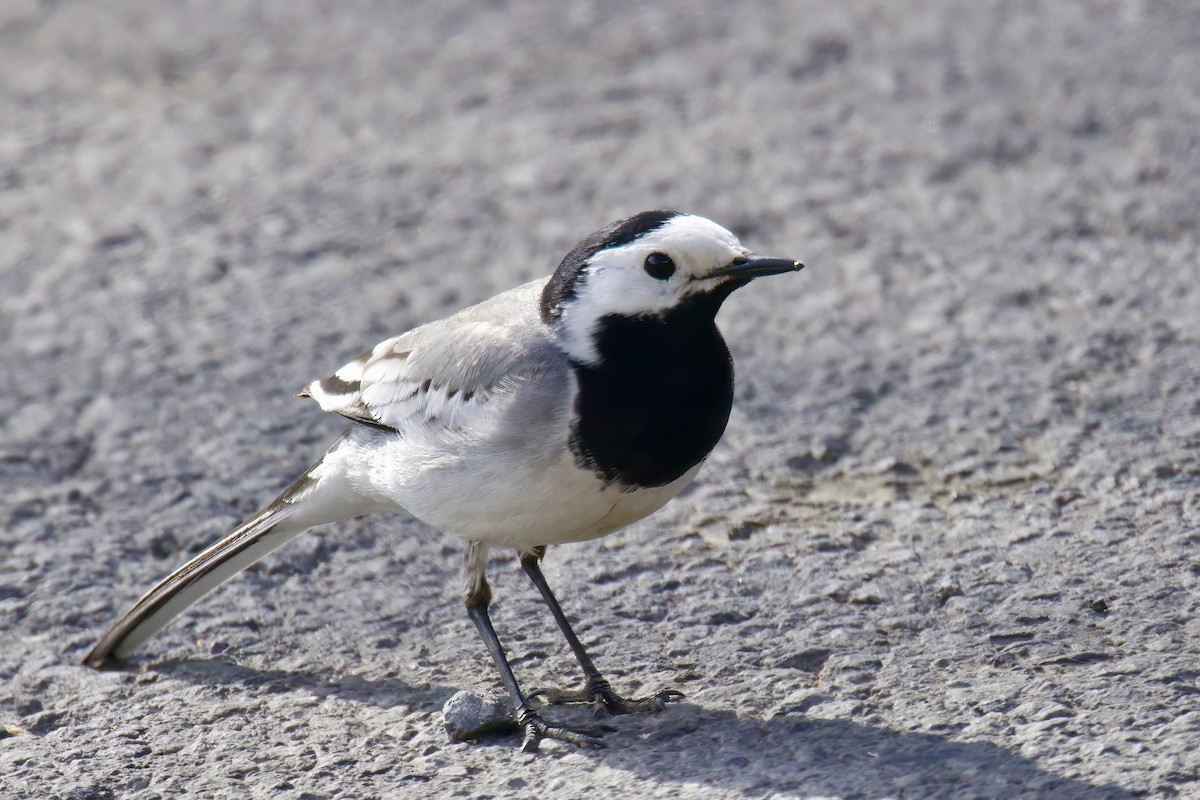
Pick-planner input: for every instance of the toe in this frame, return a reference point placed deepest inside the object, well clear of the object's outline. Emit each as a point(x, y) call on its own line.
point(671, 696)
point(537, 729)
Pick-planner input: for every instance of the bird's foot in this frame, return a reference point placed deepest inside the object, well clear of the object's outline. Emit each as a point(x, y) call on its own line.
point(536, 729)
point(604, 701)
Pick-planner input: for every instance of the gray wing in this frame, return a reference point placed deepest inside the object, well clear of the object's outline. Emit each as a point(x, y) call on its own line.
point(446, 373)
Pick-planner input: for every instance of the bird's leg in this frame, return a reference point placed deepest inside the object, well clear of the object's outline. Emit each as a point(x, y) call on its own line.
point(478, 595)
point(596, 690)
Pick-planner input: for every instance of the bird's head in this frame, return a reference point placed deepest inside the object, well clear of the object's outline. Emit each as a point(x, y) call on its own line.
point(651, 264)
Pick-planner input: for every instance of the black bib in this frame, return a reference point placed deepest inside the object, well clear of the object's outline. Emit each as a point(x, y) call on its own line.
point(657, 401)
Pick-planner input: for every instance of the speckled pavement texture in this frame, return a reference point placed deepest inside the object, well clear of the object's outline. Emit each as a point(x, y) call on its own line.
point(948, 548)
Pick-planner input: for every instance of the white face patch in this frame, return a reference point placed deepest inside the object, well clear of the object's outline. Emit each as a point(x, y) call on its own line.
point(615, 280)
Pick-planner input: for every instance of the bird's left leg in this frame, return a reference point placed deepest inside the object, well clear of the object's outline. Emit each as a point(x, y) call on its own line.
point(478, 596)
point(597, 691)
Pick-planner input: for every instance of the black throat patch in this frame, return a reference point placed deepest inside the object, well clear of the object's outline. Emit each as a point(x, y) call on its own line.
point(657, 400)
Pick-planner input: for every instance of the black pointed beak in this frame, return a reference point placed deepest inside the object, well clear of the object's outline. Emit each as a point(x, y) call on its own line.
point(755, 266)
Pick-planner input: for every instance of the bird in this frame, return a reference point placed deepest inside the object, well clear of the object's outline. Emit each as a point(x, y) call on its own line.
point(558, 411)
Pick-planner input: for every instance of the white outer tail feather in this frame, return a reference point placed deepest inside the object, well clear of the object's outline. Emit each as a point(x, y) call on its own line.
point(319, 496)
point(241, 548)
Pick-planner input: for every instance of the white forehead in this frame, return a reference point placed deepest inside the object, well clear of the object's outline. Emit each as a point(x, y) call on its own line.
point(697, 245)
point(690, 231)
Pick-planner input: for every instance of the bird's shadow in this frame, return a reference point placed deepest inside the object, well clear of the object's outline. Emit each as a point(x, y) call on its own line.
point(689, 743)
point(832, 757)
point(382, 692)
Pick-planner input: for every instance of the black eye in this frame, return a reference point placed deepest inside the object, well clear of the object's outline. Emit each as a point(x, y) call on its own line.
point(659, 266)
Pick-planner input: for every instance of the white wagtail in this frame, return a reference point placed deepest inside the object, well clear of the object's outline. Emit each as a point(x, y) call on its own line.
point(558, 411)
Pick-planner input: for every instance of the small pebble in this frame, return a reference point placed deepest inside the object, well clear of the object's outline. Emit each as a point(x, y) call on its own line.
point(467, 716)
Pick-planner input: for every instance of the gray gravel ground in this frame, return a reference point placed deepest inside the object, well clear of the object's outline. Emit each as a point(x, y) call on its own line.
point(948, 547)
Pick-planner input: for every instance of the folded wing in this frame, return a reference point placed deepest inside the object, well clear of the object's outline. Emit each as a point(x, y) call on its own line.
point(448, 373)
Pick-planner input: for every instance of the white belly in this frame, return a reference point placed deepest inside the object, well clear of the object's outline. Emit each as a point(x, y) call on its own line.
point(509, 499)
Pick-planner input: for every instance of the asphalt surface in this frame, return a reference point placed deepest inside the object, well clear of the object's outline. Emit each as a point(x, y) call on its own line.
point(947, 548)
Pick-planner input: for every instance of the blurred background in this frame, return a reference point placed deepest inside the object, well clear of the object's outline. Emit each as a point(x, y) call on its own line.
point(953, 522)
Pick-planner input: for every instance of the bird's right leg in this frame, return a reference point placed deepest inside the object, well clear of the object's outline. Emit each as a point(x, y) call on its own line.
point(478, 595)
point(597, 691)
